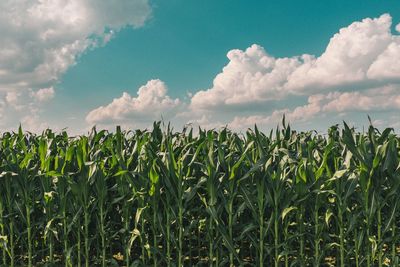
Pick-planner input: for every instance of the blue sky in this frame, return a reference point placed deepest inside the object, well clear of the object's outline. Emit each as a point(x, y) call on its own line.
point(96, 52)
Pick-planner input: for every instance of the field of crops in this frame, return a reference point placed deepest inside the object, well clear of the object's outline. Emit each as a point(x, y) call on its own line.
point(217, 198)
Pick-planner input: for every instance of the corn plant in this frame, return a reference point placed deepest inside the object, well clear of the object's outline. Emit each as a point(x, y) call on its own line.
point(212, 198)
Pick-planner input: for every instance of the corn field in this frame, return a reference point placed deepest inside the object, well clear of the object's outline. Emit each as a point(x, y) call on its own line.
point(214, 198)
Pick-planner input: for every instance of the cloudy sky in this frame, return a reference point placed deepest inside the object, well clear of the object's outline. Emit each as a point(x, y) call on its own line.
point(78, 63)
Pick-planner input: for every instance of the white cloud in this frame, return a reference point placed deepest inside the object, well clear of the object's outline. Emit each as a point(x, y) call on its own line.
point(43, 94)
point(363, 55)
point(387, 65)
point(151, 103)
point(358, 73)
point(41, 39)
point(250, 76)
point(23, 106)
point(356, 101)
point(334, 103)
point(243, 122)
point(347, 58)
point(206, 122)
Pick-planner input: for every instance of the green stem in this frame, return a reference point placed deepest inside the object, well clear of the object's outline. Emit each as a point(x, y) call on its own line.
point(366, 206)
point(380, 254)
point(28, 221)
point(341, 236)
point(67, 260)
point(180, 238)
point(168, 240)
point(261, 239)
point(276, 236)
point(301, 225)
point(12, 255)
point(316, 233)
point(86, 238)
point(217, 257)
point(180, 222)
point(127, 251)
point(142, 242)
point(79, 244)
point(51, 240)
point(190, 251)
point(103, 240)
point(154, 231)
point(12, 242)
point(4, 255)
point(356, 247)
point(211, 242)
point(286, 246)
point(393, 242)
point(260, 200)
point(368, 249)
point(51, 256)
point(198, 244)
point(230, 228)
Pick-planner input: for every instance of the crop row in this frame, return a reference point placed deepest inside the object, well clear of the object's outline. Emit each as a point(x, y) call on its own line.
point(215, 198)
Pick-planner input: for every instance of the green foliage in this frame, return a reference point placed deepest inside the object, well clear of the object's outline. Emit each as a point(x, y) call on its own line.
point(166, 198)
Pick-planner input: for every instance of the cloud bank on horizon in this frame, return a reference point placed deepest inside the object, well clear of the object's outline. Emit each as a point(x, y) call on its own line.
point(358, 73)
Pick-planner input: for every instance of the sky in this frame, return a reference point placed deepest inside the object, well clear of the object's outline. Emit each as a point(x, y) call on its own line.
point(78, 63)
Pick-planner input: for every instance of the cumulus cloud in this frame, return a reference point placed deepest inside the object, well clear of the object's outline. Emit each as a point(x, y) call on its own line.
point(151, 103)
point(348, 57)
point(363, 55)
point(387, 64)
point(358, 73)
point(250, 76)
point(41, 39)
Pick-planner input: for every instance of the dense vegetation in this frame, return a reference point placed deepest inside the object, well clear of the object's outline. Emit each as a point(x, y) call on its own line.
point(216, 198)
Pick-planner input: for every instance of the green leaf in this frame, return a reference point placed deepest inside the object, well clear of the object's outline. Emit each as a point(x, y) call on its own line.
point(286, 211)
point(328, 216)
